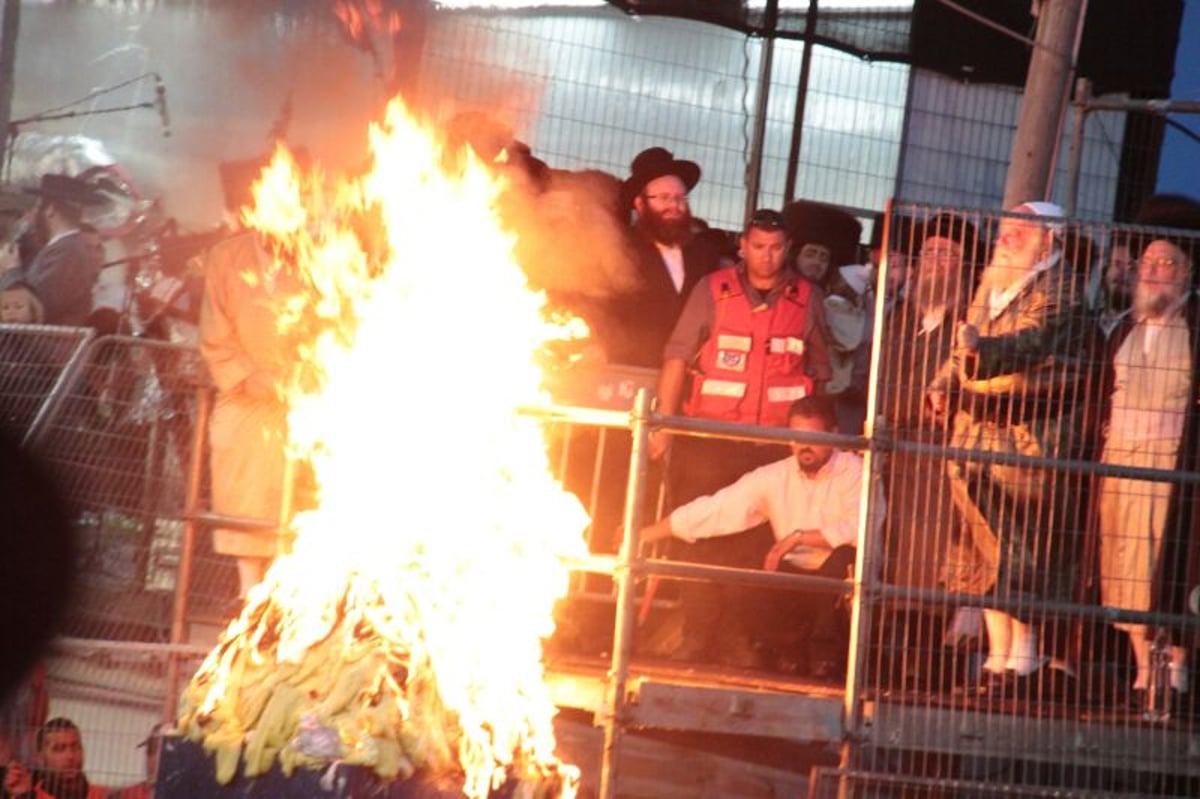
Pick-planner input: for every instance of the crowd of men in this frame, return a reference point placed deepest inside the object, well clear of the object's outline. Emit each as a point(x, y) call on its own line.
point(993, 345)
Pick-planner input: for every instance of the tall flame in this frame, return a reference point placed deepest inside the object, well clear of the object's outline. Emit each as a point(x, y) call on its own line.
point(427, 572)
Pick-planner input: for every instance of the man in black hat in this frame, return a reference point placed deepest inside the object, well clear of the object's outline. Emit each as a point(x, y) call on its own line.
point(64, 271)
point(670, 258)
point(923, 548)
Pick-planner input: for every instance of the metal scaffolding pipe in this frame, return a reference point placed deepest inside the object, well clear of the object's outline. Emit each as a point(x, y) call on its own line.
point(626, 613)
point(186, 548)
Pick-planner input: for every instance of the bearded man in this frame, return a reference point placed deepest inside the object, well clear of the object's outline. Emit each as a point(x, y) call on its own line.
point(64, 271)
point(918, 338)
point(1012, 386)
point(1144, 530)
point(670, 259)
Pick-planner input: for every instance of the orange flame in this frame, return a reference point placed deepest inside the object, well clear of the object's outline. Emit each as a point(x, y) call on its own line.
point(425, 578)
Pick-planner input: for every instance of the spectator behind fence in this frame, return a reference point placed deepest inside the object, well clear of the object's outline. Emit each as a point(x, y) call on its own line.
point(922, 547)
point(1115, 292)
point(811, 501)
point(19, 304)
point(247, 357)
point(1145, 526)
point(1011, 387)
point(752, 338)
point(823, 237)
point(670, 258)
point(152, 743)
point(64, 271)
point(59, 771)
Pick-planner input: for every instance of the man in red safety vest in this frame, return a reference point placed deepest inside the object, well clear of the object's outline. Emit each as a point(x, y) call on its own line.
point(751, 338)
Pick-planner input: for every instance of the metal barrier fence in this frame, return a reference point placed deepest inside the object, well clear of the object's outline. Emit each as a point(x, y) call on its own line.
point(998, 522)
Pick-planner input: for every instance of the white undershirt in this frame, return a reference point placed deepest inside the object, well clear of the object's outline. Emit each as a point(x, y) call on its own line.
point(673, 260)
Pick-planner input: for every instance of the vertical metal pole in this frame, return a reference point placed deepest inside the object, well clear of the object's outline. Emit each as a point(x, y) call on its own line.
point(865, 565)
point(10, 25)
point(1083, 93)
point(628, 564)
point(793, 164)
point(1046, 86)
point(754, 167)
point(1052, 174)
point(183, 580)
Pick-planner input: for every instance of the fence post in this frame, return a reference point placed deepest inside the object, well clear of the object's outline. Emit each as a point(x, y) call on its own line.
point(626, 570)
point(186, 547)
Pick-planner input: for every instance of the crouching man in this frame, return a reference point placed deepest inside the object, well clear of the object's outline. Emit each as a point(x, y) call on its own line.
point(811, 501)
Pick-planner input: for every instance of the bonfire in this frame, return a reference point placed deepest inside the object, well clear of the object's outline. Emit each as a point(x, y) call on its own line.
point(402, 631)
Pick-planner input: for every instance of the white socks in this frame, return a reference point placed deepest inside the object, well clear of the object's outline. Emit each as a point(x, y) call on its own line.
point(1012, 645)
point(1178, 669)
point(999, 630)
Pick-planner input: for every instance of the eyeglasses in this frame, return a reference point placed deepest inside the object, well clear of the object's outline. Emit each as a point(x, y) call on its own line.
point(766, 219)
point(1165, 262)
point(667, 199)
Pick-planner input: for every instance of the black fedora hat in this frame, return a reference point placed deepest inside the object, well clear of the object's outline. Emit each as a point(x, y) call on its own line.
point(64, 188)
point(654, 163)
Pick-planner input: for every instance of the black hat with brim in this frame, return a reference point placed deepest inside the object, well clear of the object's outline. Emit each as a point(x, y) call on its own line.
point(654, 163)
point(66, 189)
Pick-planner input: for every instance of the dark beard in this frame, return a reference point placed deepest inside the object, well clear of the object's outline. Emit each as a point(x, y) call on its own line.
point(939, 289)
point(1119, 299)
point(672, 233)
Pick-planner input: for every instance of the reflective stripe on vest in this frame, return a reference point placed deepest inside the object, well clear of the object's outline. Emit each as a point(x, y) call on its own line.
point(722, 388)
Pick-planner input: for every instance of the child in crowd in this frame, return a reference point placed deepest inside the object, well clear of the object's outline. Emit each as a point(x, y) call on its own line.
point(19, 304)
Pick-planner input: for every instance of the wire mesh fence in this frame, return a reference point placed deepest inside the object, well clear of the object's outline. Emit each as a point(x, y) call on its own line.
point(1028, 626)
point(118, 438)
point(1037, 559)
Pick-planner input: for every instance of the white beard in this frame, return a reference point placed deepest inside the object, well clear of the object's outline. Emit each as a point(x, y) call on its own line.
point(1151, 300)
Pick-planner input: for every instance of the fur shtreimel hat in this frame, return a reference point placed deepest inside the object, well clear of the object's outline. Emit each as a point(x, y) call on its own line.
point(817, 223)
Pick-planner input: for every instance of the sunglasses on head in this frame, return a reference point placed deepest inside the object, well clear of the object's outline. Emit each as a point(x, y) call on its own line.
point(766, 219)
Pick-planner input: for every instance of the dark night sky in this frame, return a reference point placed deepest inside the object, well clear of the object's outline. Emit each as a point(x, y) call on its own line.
point(1179, 169)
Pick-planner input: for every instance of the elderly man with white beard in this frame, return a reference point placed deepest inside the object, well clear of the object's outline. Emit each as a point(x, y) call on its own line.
point(1144, 527)
point(1012, 386)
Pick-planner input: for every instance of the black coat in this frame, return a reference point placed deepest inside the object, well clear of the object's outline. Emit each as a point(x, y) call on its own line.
point(637, 324)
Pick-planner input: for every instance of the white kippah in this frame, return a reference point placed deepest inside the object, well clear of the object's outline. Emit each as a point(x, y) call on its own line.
point(1041, 208)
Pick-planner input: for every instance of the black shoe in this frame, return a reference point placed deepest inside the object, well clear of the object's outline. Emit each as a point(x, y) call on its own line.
point(1136, 701)
point(1044, 684)
point(987, 685)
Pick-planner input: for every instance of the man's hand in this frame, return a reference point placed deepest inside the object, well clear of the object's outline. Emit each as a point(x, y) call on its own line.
point(935, 403)
point(790, 542)
point(17, 780)
point(658, 531)
point(967, 337)
point(9, 257)
point(659, 442)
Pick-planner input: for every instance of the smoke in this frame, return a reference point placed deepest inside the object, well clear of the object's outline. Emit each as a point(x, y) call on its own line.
point(571, 239)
